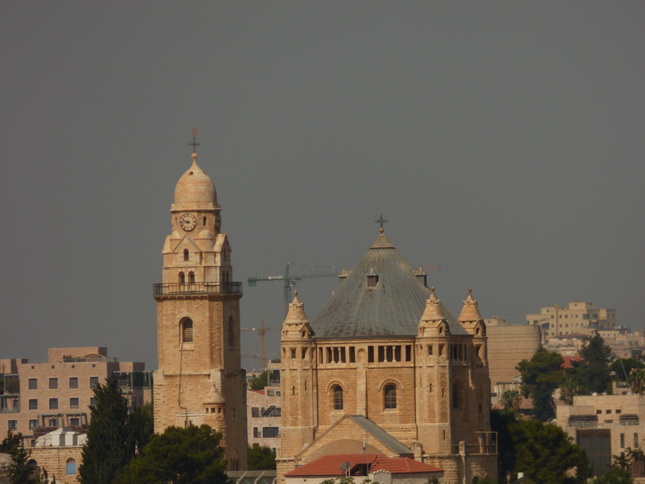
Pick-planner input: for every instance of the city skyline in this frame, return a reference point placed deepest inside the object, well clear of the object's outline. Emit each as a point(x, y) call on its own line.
point(502, 142)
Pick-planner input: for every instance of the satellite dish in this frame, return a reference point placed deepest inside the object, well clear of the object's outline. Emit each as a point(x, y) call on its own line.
point(344, 466)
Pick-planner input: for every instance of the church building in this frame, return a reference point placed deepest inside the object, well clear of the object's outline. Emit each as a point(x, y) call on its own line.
point(200, 379)
point(385, 369)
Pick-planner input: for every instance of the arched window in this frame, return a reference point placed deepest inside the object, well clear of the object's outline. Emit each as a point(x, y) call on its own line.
point(186, 330)
point(337, 392)
point(390, 396)
point(182, 278)
point(186, 254)
point(70, 467)
point(191, 277)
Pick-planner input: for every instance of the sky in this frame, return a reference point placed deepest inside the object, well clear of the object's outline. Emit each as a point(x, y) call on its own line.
point(502, 141)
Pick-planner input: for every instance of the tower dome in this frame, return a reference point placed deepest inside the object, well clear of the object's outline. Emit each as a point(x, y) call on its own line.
point(195, 190)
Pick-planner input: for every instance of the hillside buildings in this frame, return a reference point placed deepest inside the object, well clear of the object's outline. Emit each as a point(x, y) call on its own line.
point(385, 368)
point(36, 398)
point(200, 379)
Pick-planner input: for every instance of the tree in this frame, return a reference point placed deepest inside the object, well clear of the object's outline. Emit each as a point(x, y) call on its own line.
point(258, 382)
point(179, 456)
point(20, 469)
point(510, 400)
point(113, 436)
point(592, 374)
point(541, 376)
point(543, 452)
point(261, 458)
point(622, 367)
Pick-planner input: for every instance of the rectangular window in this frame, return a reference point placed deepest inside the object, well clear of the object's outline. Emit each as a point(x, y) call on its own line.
point(635, 441)
point(33, 383)
point(256, 432)
point(53, 403)
point(92, 401)
point(13, 425)
point(268, 432)
point(33, 424)
point(370, 354)
point(73, 382)
point(33, 404)
point(74, 421)
point(255, 412)
point(53, 383)
point(94, 380)
point(73, 402)
point(622, 441)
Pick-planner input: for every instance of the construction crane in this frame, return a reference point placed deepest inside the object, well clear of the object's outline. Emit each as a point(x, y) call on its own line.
point(261, 331)
point(290, 279)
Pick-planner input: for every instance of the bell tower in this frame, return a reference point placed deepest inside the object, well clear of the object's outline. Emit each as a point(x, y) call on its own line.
point(200, 379)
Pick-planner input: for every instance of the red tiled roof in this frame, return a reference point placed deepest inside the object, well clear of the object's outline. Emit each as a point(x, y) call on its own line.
point(329, 465)
point(568, 360)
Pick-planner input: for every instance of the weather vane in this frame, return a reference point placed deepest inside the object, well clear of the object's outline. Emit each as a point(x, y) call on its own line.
point(194, 144)
point(381, 221)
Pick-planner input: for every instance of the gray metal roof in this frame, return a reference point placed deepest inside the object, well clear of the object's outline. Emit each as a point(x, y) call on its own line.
point(392, 307)
point(381, 435)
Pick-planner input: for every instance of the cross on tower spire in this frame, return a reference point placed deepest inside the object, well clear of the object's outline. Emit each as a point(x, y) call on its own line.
point(381, 221)
point(194, 144)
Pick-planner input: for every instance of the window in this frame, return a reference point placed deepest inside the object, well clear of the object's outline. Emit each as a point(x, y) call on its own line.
point(73, 402)
point(269, 432)
point(74, 421)
point(70, 467)
point(186, 330)
point(191, 277)
point(33, 424)
point(255, 412)
point(73, 382)
point(53, 422)
point(53, 403)
point(390, 396)
point(457, 396)
point(13, 425)
point(338, 397)
point(53, 383)
point(182, 278)
point(92, 401)
point(33, 404)
point(94, 380)
point(622, 441)
point(33, 384)
point(186, 255)
point(256, 432)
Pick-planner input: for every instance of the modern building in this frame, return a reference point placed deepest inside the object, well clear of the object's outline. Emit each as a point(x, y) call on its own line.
point(604, 425)
point(200, 378)
point(37, 398)
point(385, 368)
point(578, 318)
point(264, 412)
point(508, 344)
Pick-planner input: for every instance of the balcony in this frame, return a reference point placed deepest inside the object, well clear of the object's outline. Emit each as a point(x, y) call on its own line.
point(197, 289)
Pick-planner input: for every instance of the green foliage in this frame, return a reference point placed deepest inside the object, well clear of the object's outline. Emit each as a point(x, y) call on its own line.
point(614, 476)
point(114, 437)
point(592, 375)
point(510, 400)
point(261, 458)
point(258, 382)
point(541, 376)
point(622, 367)
point(543, 452)
point(179, 456)
point(20, 471)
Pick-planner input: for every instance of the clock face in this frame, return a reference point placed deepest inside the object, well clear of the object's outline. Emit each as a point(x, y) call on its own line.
point(187, 222)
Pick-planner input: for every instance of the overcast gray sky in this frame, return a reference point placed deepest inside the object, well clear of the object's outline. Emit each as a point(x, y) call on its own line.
point(503, 141)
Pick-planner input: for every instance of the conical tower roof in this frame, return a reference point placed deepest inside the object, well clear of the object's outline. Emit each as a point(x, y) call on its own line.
point(380, 297)
point(470, 310)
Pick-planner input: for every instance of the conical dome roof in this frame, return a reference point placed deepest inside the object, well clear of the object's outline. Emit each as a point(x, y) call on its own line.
point(195, 189)
point(381, 296)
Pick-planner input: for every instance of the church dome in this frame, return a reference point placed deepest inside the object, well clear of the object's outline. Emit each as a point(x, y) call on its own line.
point(195, 189)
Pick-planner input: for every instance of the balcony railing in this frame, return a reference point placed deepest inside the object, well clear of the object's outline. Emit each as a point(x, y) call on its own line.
point(197, 288)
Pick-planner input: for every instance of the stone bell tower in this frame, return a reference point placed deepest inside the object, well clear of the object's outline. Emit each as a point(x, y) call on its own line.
point(200, 379)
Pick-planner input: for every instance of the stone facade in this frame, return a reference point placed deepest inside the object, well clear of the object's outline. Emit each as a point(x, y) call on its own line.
point(264, 417)
point(200, 379)
point(418, 378)
point(604, 425)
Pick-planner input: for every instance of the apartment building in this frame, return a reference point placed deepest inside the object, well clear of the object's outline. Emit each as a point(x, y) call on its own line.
point(37, 398)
